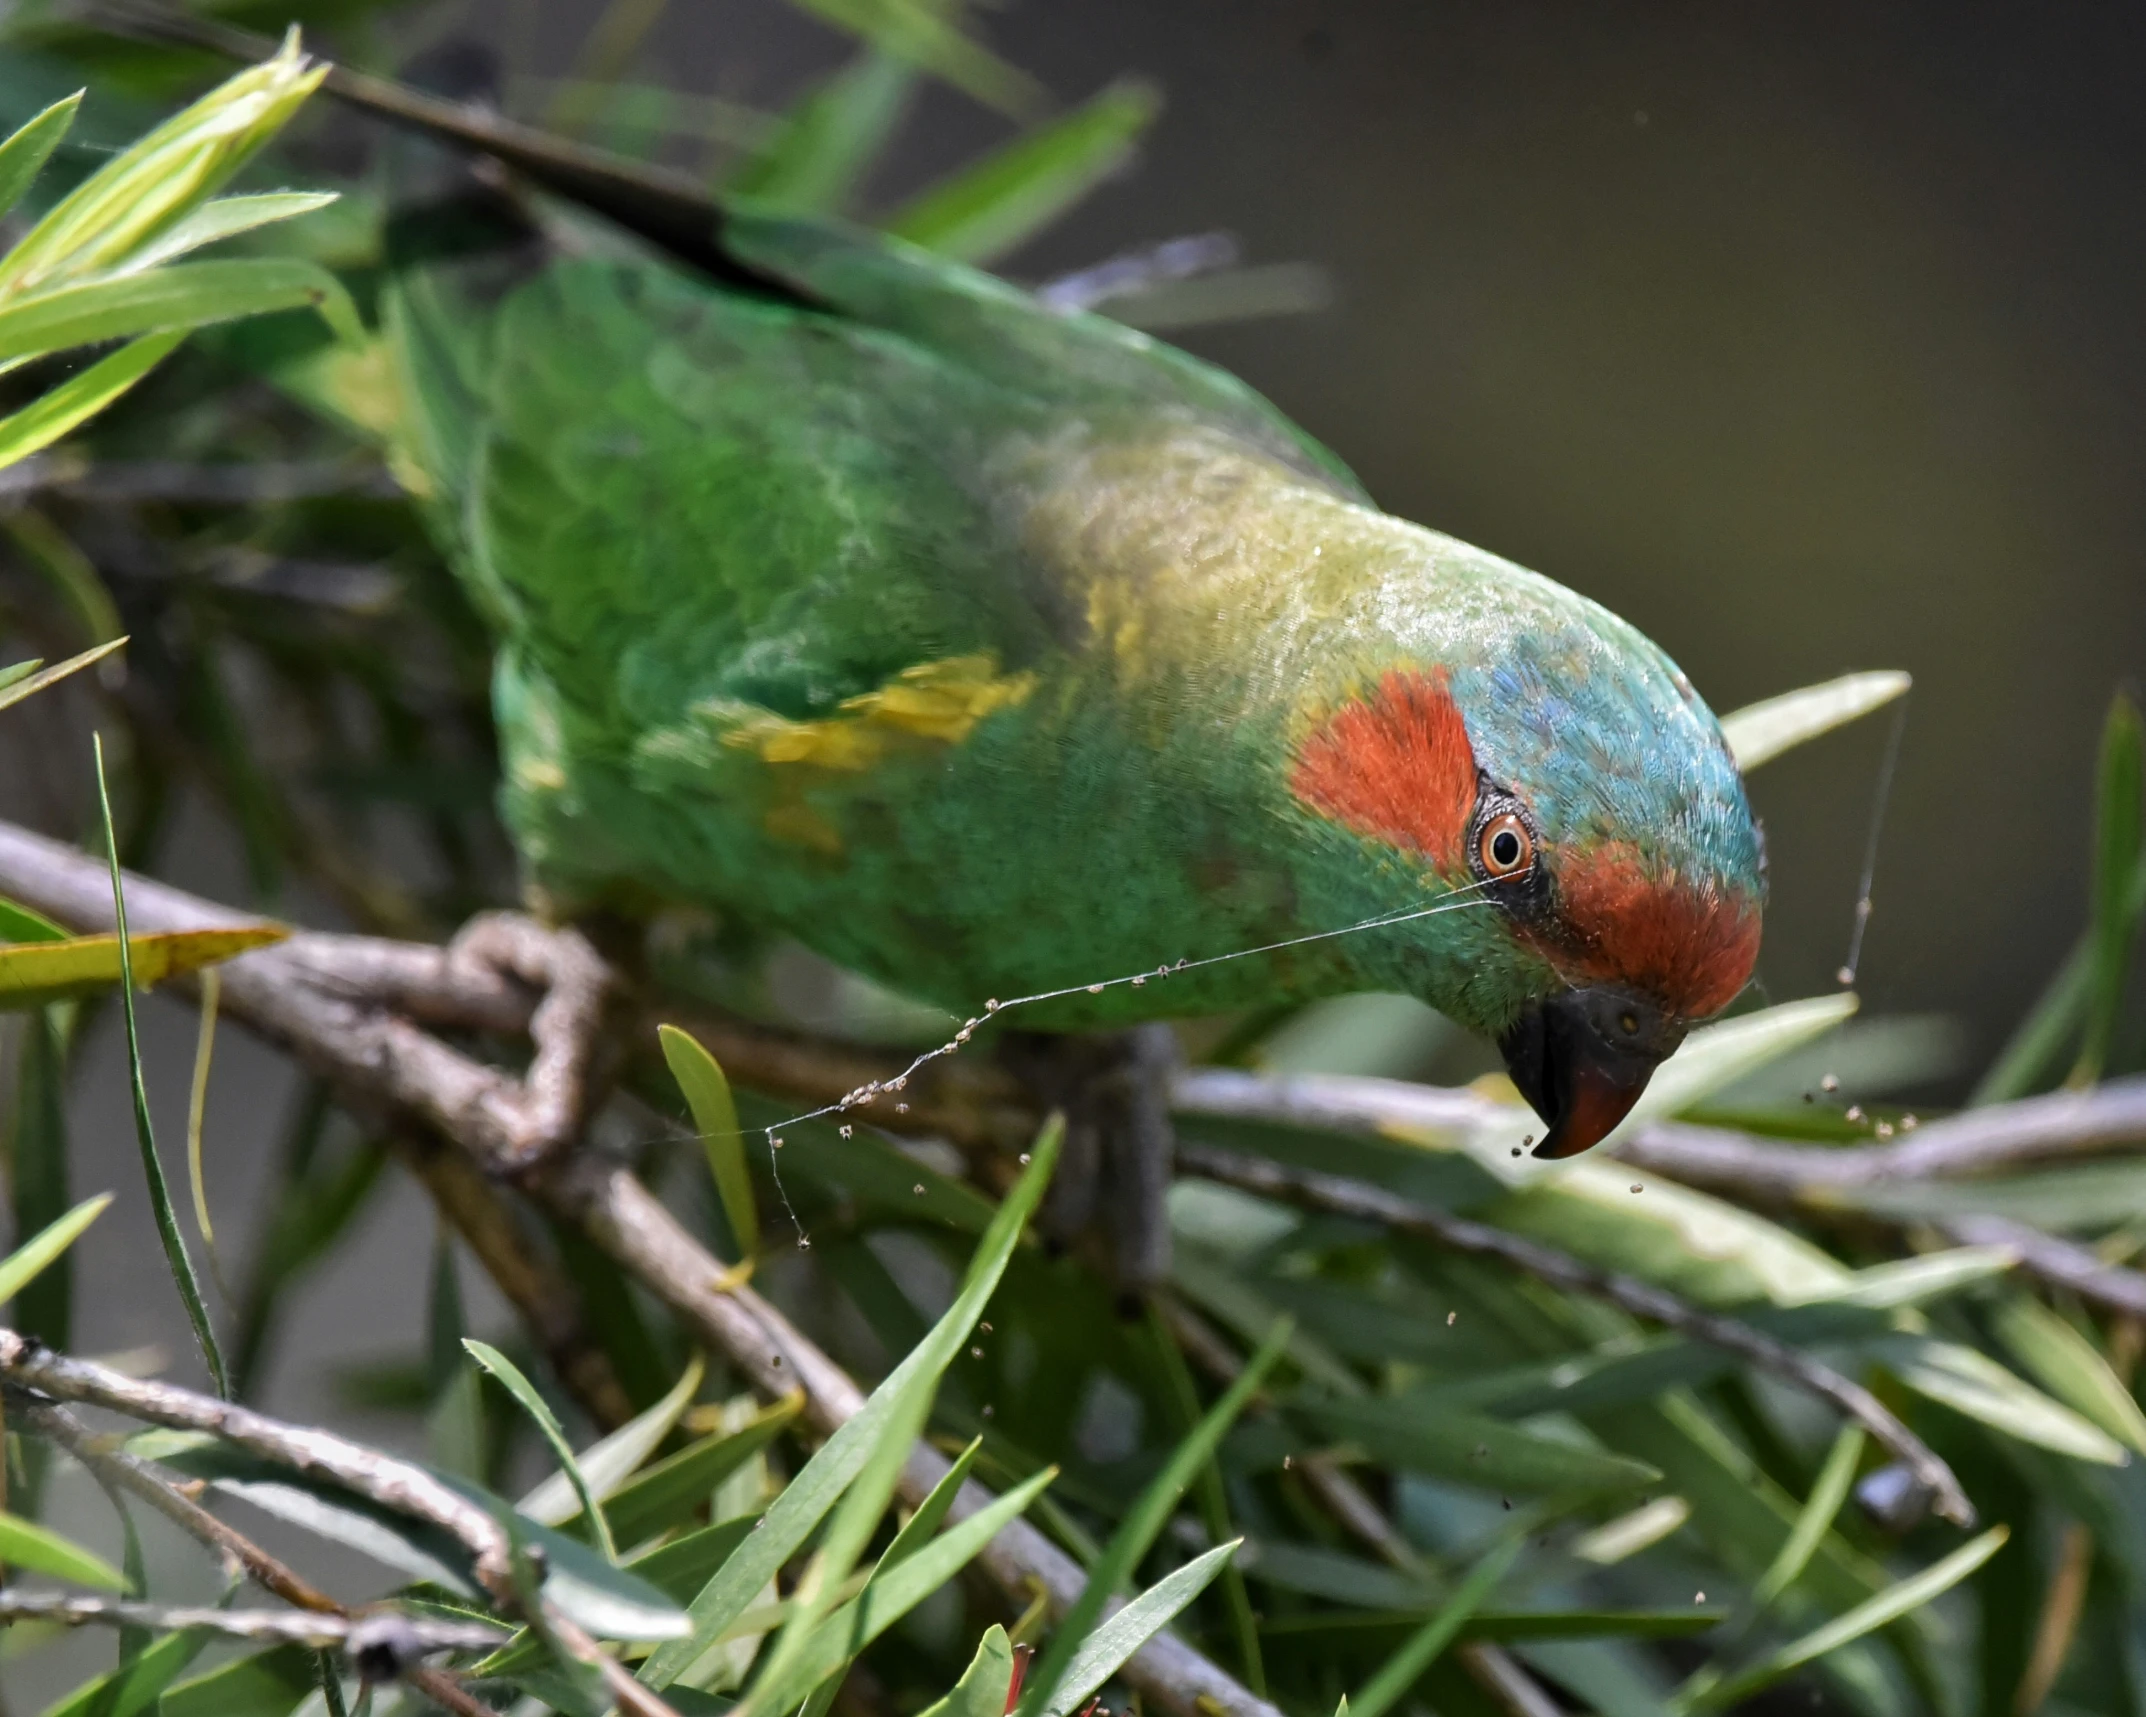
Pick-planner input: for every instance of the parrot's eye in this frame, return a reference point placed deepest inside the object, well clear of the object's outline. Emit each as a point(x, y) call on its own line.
point(1505, 847)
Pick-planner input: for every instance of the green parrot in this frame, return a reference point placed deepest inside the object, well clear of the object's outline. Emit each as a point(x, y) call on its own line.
point(998, 652)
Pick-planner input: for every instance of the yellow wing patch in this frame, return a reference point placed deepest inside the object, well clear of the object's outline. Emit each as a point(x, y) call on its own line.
point(940, 701)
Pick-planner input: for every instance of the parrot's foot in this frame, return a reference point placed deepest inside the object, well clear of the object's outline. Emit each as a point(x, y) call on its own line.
point(1114, 1170)
point(545, 1112)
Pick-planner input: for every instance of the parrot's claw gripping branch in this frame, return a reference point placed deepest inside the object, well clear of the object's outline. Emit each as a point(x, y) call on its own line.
point(503, 973)
point(567, 1029)
point(1115, 1169)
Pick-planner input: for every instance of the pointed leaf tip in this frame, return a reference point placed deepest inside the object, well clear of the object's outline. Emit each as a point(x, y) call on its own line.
point(1760, 732)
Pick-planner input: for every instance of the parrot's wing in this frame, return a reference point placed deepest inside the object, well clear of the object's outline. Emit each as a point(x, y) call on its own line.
point(1075, 361)
point(677, 497)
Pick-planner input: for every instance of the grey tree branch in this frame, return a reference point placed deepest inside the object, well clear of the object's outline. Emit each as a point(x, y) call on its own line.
point(2058, 1127)
point(1315, 1191)
point(122, 1471)
point(1809, 1179)
point(139, 1478)
point(392, 1483)
point(323, 1631)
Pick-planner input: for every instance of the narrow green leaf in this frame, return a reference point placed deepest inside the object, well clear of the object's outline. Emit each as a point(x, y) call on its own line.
point(167, 1221)
point(808, 1497)
point(917, 1530)
point(992, 206)
point(272, 1683)
point(1143, 1524)
point(856, 1517)
point(79, 398)
point(197, 1109)
point(19, 924)
point(827, 141)
point(715, 1119)
point(2119, 850)
point(139, 193)
point(1888, 1606)
point(36, 1254)
point(226, 217)
point(1618, 1540)
point(51, 555)
point(135, 1685)
point(2070, 1367)
point(1717, 1056)
point(924, 33)
point(608, 1464)
point(1104, 1649)
point(1318, 1572)
point(1402, 1671)
point(1814, 1521)
point(1970, 1382)
point(16, 690)
point(184, 295)
point(886, 1599)
point(668, 1492)
point(39, 1181)
point(24, 154)
point(2034, 1049)
point(321, 1510)
point(539, 1410)
point(1389, 1629)
point(981, 1691)
point(33, 974)
point(1471, 1450)
point(1213, 1496)
point(25, 1544)
point(1909, 1282)
point(1760, 732)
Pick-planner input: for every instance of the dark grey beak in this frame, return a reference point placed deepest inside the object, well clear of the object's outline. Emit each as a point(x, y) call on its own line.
point(1582, 1058)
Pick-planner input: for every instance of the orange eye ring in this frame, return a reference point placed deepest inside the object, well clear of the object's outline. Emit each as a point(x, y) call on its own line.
point(1505, 848)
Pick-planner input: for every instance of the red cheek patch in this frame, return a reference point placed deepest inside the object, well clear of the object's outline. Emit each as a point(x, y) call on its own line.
point(1688, 945)
point(1396, 767)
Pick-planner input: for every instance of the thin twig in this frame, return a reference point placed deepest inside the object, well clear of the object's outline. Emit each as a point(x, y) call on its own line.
point(2060, 1263)
point(394, 1484)
point(1335, 1194)
point(2003, 1137)
point(122, 1471)
point(1808, 1179)
point(268, 1627)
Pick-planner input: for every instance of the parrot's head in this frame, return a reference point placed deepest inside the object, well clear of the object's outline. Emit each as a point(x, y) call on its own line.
point(1552, 776)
